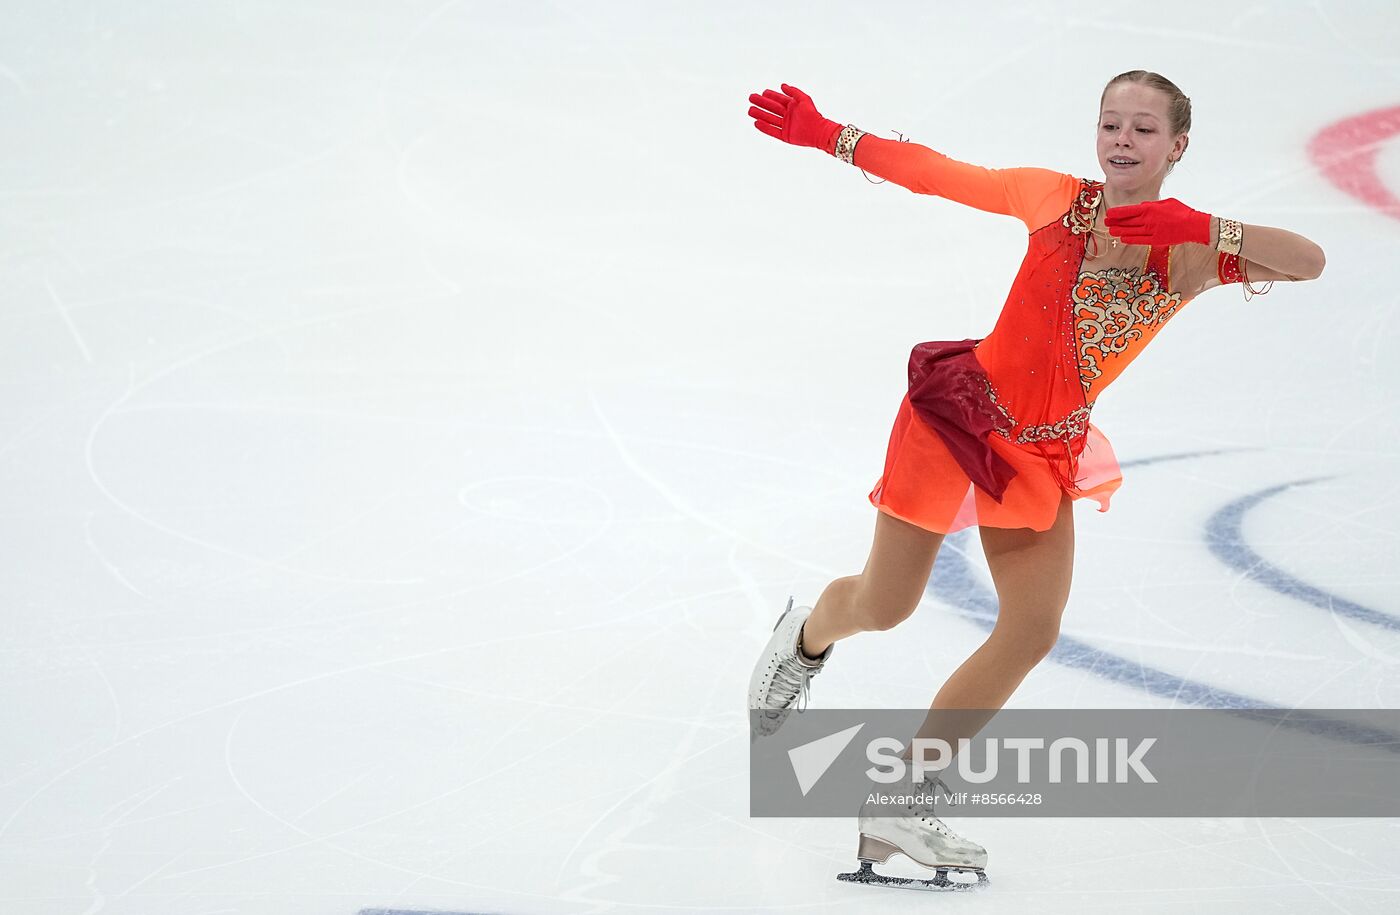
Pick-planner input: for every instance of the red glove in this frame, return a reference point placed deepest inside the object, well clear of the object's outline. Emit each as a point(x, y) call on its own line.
point(1158, 222)
point(793, 119)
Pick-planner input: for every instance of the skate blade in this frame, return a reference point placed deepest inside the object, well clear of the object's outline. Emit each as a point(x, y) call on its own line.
point(939, 881)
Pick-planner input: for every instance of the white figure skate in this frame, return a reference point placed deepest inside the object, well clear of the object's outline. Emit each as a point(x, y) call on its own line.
point(782, 675)
point(923, 838)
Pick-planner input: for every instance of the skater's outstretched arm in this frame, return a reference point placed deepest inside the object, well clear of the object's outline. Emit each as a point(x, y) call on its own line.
point(1036, 196)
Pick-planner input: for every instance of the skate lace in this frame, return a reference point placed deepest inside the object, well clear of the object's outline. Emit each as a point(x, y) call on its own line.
point(791, 681)
point(930, 785)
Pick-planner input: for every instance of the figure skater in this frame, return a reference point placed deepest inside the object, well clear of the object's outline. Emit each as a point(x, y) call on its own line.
point(995, 431)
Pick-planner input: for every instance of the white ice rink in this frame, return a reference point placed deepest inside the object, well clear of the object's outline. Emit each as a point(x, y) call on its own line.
point(415, 415)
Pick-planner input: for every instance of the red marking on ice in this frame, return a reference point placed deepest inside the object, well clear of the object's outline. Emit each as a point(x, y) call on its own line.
point(1345, 152)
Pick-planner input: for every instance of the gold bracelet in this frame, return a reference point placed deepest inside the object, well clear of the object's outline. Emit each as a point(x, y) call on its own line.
point(846, 143)
point(1231, 236)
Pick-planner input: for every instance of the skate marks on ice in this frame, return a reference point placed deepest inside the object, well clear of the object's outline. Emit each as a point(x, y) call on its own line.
point(954, 582)
point(419, 912)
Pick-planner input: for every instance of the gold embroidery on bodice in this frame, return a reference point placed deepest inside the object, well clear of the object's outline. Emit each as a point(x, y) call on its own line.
point(1113, 308)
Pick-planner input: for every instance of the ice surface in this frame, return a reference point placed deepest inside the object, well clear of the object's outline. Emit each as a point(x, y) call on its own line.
point(415, 416)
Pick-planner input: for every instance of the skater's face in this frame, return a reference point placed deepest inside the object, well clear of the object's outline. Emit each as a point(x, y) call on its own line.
point(1134, 124)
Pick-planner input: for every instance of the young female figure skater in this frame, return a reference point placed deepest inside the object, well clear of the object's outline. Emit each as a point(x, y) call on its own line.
point(995, 431)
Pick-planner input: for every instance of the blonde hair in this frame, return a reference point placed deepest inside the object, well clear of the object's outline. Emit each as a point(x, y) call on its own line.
point(1178, 104)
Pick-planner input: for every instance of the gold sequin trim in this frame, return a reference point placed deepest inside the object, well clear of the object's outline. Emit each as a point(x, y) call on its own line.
point(1080, 216)
point(1231, 236)
point(1074, 424)
point(846, 143)
point(1005, 422)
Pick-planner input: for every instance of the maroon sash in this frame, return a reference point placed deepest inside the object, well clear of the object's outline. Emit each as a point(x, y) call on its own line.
point(949, 390)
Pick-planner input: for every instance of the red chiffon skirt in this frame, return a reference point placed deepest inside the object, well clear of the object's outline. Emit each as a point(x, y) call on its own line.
point(947, 467)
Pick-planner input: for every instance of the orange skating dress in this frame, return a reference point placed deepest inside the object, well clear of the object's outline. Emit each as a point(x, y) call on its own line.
point(993, 430)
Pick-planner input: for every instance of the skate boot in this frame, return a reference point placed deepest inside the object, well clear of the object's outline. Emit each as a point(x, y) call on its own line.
point(922, 837)
point(780, 678)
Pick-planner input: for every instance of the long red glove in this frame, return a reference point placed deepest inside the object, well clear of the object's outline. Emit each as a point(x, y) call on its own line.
point(1158, 222)
point(791, 117)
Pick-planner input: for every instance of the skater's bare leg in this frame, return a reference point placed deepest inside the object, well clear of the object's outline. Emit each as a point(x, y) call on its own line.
point(881, 596)
point(1031, 570)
